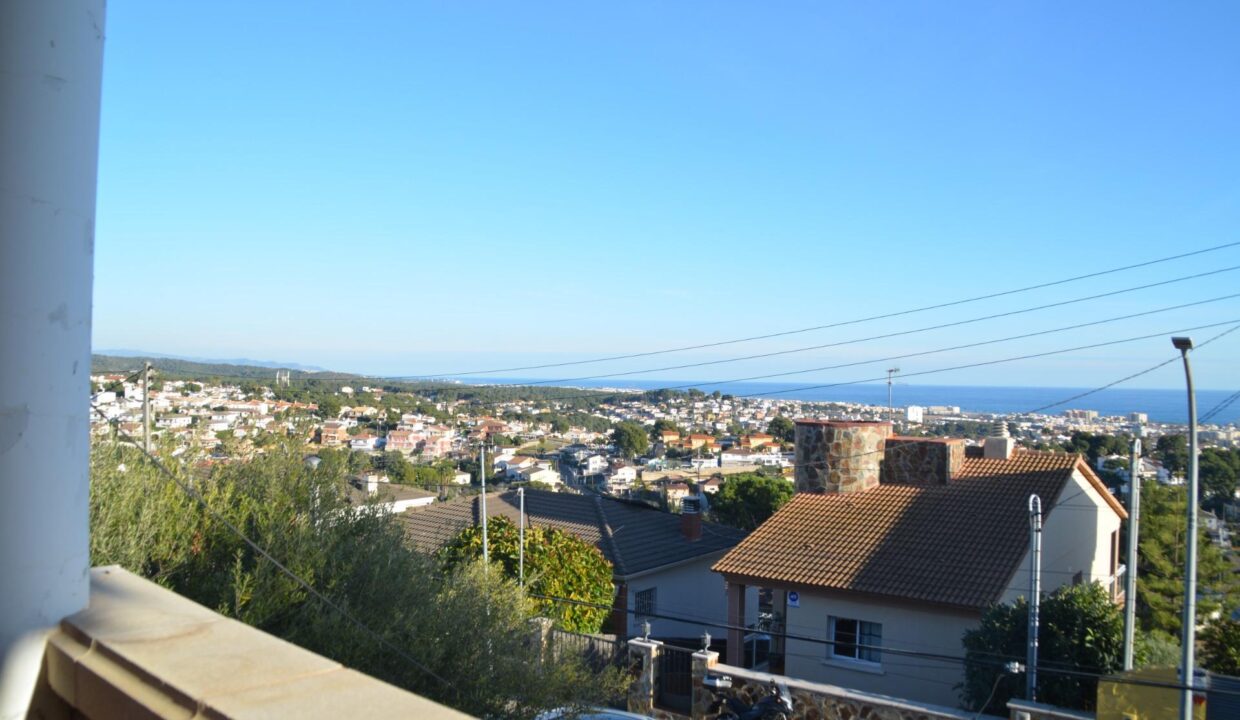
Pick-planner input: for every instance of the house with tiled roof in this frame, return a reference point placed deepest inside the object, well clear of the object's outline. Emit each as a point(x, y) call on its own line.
point(334, 433)
point(895, 543)
point(661, 561)
point(757, 440)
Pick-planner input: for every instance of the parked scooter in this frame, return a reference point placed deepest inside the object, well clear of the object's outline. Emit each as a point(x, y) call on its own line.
point(776, 705)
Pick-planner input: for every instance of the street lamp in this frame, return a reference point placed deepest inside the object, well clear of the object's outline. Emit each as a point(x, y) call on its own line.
point(1189, 623)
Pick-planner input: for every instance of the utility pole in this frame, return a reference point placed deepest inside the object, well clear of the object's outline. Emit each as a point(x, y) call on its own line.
point(146, 407)
point(1035, 593)
point(482, 471)
point(1130, 579)
point(521, 540)
point(1188, 630)
point(890, 407)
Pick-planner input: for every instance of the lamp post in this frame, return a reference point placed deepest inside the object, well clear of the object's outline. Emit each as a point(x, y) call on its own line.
point(1189, 623)
point(1035, 596)
point(1130, 577)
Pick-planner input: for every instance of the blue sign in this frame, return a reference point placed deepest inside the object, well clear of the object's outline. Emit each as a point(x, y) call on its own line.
point(794, 598)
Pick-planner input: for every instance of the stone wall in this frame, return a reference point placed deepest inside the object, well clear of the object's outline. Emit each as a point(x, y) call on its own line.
point(811, 701)
point(922, 461)
point(836, 456)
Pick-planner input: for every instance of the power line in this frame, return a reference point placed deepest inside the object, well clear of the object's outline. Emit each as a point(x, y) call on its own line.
point(1221, 406)
point(965, 346)
point(1050, 405)
point(884, 336)
point(942, 657)
point(218, 517)
point(884, 316)
point(997, 362)
point(603, 395)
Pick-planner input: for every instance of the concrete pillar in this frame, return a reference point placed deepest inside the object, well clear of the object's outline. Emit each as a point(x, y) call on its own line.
point(643, 654)
point(540, 638)
point(736, 621)
point(51, 64)
point(703, 696)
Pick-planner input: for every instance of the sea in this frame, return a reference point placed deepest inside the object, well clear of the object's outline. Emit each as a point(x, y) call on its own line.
point(1161, 406)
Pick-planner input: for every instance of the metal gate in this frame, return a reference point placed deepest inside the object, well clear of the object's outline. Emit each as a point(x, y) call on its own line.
point(673, 678)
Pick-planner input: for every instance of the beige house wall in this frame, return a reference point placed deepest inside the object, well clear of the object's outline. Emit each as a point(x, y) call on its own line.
point(906, 626)
point(1076, 537)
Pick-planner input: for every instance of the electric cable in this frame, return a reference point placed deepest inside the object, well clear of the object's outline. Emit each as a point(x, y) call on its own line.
point(1220, 407)
point(1029, 356)
point(605, 395)
point(914, 331)
point(843, 323)
point(922, 353)
point(943, 657)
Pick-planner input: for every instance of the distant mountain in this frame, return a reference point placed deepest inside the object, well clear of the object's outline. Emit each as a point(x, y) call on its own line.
point(176, 368)
point(213, 361)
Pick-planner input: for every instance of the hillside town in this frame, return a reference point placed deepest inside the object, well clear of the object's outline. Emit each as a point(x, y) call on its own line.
point(652, 480)
point(693, 437)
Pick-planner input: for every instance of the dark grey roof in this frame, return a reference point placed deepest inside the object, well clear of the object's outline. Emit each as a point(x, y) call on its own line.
point(635, 538)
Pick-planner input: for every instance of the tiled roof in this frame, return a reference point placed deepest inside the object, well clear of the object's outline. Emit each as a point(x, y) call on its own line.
point(635, 538)
point(956, 544)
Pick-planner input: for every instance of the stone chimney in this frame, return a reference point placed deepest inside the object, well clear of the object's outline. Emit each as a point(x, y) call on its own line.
point(999, 445)
point(691, 518)
point(839, 456)
point(922, 461)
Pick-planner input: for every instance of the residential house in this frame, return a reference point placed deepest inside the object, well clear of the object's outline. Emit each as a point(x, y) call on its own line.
point(901, 543)
point(491, 426)
point(391, 497)
point(621, 476)
point(669, 437)
point(542, 474)
point(438, 443)
point(363, 441)
point(514, 466)
point(405, 441)
point(174, 421)
point(660, 561)
point(461, 478)
point(593, 465)
point(749, 456)
point(333, 433)
point(695, 441)
point(500, 457)
point(676, 492)
point(757, 440)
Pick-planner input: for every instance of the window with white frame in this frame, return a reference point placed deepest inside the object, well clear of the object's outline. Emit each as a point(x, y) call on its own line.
point(644, 602)
point(853, 639)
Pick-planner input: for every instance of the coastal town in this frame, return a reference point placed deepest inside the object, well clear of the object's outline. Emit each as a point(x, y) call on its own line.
point(619, 361)
point(700, 502)
point(692, 436)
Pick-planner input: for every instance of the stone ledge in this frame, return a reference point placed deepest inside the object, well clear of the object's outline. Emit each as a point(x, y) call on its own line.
point(1047, 712)
point(141, 651)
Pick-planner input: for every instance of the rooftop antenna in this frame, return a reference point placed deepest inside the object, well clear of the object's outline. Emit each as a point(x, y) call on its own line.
point(891, 410)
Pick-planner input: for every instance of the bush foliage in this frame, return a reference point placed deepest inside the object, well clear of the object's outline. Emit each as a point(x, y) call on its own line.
point(557, 565)
point(1080, 628)
point(468, 627)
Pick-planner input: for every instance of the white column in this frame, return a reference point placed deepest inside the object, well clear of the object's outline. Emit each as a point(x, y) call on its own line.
point(51, 64)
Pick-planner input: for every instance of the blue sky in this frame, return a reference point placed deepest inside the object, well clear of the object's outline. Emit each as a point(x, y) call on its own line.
point(422, 188)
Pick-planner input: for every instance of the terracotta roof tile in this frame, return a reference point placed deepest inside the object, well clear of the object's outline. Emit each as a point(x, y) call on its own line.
point(956, 544)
